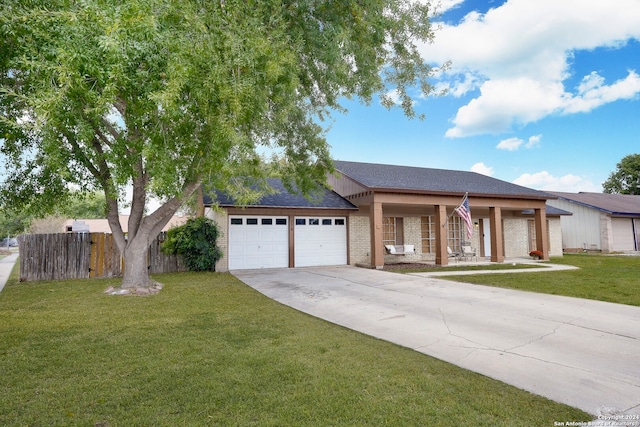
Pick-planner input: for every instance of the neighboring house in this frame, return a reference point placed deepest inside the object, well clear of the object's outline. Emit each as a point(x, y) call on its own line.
point(603, 222)
point(102, 225)
point(372, 207)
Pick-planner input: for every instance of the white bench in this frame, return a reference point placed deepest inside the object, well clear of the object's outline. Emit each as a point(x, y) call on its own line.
point(400, 249)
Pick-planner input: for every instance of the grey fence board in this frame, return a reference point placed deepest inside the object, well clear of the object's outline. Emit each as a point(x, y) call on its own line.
point(83, 255)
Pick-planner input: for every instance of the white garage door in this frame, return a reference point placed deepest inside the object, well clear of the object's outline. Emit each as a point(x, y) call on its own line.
point(320, 241)
point(258, 242)
point(623, 234)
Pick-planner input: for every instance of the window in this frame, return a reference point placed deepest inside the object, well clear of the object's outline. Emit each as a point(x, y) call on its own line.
point(236, 221)
point(314, 221)
point(252, 221)
point(456, 229)
point(281, 221)
point(427, 225)
point(326, 222)
point(533, 245)
point(267, 221)
point(301, 221)
point(392, 231)
point(389, 231)
point(339, 221)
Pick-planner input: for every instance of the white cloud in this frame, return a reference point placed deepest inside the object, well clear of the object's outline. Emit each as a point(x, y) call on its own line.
point(510, 144)
point(513, 144)
point(592, 92)
point(444, 5)
point(482, 169)
point(534, 141)
point(519, 56)
point(546, 182)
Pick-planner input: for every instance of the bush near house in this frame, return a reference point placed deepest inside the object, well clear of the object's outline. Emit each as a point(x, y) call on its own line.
point(196, 242)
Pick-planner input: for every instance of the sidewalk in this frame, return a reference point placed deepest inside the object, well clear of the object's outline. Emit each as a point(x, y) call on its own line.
point(546, 266)
point(6, 265)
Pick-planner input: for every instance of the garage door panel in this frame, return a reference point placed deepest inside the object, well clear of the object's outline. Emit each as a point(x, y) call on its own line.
point(623, 235)
point(320, 241)
point(258, 242)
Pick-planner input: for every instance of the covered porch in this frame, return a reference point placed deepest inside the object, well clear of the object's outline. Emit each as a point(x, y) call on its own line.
point(442, 233)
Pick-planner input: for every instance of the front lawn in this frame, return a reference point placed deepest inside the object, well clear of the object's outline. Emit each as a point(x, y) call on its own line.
point(209, 350)
point(612, 278)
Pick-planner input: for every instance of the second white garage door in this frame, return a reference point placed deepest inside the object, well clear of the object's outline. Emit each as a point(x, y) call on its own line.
point(320, 241)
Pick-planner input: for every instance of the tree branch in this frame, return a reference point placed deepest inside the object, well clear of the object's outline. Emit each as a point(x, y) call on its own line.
point(158, 219)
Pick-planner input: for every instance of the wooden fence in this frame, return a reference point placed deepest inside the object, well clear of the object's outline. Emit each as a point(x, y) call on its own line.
point(83, 255)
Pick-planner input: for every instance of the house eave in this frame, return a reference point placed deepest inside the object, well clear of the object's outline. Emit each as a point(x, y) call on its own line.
point(327, 208)
point(459, 194)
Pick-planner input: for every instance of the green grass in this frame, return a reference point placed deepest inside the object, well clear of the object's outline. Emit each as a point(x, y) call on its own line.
point(600, 277)
point(209, 350)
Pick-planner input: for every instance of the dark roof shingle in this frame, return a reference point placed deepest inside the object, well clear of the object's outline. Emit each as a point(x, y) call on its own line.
point(439, 181)
point(614, 204)
point(327, 199)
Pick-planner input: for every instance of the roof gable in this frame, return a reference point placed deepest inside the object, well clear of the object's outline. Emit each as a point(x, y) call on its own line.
point(437, 181)
point(614, 204)
point(282, 198)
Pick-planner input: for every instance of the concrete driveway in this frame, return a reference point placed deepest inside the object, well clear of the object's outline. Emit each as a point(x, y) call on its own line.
point(579, 352)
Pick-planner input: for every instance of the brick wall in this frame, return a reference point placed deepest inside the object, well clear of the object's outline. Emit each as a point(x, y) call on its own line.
point(359, 240)
point(516, 237)
point(221, 218)
point(555, 237)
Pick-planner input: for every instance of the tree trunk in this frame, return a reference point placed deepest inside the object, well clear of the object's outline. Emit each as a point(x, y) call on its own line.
point(136, 267)
point(142, 230)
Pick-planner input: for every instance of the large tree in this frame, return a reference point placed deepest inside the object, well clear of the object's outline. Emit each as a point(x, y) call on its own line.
point(626, 178)
point(166, 95)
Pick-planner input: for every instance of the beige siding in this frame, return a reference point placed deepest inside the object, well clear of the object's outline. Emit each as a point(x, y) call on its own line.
point(344, 186)
point(582, 230)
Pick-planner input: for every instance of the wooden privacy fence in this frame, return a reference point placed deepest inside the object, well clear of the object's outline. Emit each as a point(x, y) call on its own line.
point(83, 255)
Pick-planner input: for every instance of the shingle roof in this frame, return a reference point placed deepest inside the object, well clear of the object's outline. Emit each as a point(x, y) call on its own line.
point(614, 204)
point(550, 210)
point(283, 199)
point(436, 181)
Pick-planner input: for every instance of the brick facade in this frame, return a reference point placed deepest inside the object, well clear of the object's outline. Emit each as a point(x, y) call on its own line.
point(516, 236)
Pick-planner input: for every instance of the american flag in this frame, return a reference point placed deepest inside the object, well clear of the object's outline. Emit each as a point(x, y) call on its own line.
point(464, 212)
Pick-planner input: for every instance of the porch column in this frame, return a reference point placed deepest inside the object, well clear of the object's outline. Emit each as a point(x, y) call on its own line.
point(442, 257)
point(542, 241)
point(495, 220)
point(482, 250)
point(377, 248)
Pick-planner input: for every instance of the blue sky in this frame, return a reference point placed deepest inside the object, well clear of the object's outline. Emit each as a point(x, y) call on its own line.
point(542, 93)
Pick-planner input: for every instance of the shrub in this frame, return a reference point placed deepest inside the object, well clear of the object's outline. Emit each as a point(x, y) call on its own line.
point(196, 242)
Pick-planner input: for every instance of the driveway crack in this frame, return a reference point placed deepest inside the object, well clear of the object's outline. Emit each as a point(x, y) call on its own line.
point(476, 345)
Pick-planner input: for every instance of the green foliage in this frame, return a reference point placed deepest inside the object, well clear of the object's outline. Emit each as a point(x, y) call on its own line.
point(626, 178)
point(196, 242)
point(13, 223)
point(167, 95)
point(84, 205)
point(101, 94)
